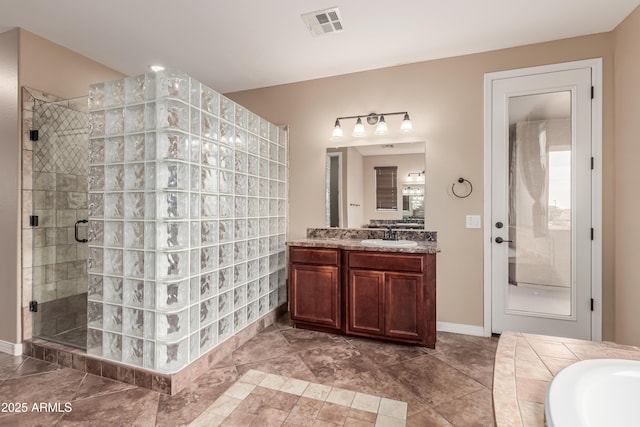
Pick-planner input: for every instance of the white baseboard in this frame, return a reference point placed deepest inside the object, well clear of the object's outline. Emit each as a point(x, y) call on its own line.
point(459, 328)
point(10, 348)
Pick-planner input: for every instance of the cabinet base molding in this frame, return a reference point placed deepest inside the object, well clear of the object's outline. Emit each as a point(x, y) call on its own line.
point(300, 325)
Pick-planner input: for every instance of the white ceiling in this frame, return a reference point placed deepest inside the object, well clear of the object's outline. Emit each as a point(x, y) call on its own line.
point(243, 44)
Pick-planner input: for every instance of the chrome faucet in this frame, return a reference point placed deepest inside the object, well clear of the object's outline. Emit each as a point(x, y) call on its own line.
point(390, 234)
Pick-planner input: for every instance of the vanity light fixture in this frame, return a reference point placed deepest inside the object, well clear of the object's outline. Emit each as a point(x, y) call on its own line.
point(358, 129)
point(382, 128)
point(156, 68)
point(406, 125)
point(373, 119)
point(337, 131)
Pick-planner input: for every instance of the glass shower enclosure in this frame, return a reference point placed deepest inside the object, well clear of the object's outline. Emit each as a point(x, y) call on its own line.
point(59, 181)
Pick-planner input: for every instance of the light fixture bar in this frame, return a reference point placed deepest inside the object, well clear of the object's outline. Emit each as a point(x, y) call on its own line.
point(376, 114)
point(373, 119)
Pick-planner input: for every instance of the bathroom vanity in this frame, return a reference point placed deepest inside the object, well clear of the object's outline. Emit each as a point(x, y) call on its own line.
point(344, 286)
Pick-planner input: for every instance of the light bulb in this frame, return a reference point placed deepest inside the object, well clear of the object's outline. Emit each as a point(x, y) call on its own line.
point(382, 128)
point(337, 131)
point(406, 125)
point(156, 68)
point(358, 129)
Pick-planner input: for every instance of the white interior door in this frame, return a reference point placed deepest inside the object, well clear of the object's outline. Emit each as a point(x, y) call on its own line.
point(541, 203)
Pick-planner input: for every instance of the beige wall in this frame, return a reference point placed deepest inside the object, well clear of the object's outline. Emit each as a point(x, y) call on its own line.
point(50, 67)
point(445, 101)
point(627, 174)
point(41, 64)
point(9, 189)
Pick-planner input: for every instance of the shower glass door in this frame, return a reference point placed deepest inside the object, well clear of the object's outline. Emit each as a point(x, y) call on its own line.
point(59, 181)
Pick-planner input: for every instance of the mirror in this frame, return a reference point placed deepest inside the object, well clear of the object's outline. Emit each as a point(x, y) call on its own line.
point(351, 185)
point(413, 200)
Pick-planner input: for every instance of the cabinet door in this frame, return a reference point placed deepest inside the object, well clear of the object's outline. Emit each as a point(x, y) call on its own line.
point(366, 302)
point(404, 308)
point(315, 295)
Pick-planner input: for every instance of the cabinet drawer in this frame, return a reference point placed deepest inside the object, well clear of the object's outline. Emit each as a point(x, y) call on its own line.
point(316, 256)
point(387, 262)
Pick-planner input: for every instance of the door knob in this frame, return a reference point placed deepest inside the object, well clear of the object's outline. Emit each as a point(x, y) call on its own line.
point(501, 240)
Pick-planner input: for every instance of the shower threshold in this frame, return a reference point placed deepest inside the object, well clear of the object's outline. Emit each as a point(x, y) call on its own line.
point(76, 338)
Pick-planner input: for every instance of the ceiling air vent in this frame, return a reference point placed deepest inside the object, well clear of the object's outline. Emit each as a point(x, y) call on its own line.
point(323, 21)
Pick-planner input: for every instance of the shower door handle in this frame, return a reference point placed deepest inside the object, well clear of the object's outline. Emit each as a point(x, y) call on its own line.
point(78, 239)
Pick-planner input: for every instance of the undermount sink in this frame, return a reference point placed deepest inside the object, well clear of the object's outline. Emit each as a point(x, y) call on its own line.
point(390, 243)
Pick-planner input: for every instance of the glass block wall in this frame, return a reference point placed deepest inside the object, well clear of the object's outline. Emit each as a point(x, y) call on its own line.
point(187, 219)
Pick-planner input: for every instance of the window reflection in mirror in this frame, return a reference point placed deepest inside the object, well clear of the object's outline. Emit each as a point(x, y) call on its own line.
point(351, 185)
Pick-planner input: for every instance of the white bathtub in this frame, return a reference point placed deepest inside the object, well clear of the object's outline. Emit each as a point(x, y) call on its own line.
point(595, 393)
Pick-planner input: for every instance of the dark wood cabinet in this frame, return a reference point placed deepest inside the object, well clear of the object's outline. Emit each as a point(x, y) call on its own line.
point(404, 306)
point(365, 293)
point(391, 296)
point(385, 304)
point(388, 295)
point(314, 287)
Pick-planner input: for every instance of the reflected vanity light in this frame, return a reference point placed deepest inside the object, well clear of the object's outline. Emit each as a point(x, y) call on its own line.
point(378, 119)
point(415, 176)
point(156, 68)
point(407, 191)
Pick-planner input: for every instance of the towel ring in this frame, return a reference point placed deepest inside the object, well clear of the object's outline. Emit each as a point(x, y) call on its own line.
point(460, 181)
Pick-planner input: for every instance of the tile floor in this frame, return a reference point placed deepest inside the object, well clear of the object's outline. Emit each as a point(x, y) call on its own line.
point(294, 402)
point(448, 386)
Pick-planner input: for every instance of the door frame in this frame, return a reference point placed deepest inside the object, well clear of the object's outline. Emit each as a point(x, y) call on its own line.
point(596, 182)
point(341, 219)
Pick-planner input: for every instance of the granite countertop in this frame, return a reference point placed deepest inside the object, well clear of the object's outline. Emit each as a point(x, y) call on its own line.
point(424, 247)
point(525, 365)
point(351, 239)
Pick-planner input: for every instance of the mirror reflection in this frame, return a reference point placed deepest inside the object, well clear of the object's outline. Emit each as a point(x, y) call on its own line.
point(353, 192)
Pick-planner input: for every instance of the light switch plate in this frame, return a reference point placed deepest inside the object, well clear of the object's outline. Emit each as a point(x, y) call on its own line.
point(473, 221)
